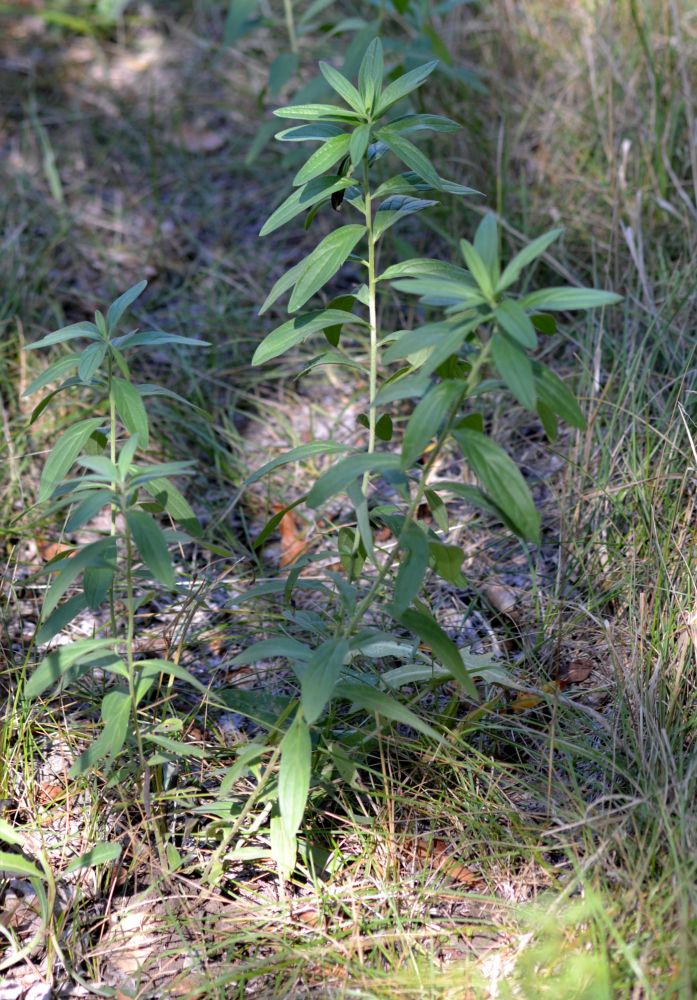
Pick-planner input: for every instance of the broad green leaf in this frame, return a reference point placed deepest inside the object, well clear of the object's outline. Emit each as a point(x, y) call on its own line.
point(320, 677)
point(341, 475)
point(120, 305)
point(295, 331)
point(317, 190)
point(285, 282)
point(412, 568)
point(419, 267)
point(502, 480)
point(447, 562)
point(370, 74)
point(86, 329)
point(102, 466)
point(565, 298)
point(486, 243)
point(61, 617)
point(131, 409)
point(360, 137)
point(100, 854)
point(99, 553)
point(402, 86)
point(323, 263)
point(9, 835)
point(477, 498)
point(512, 318)
point(515, 369)
point(526, 256)
point(477, 269)
point(15, 864)
point(544, 323)
point(298, 454)
point(57, 663)
point(317, 132)
point(64, 453)
point(317, 112)
point(322, 159)
point(56, 371)
point(441, 645)
point(171, 500)
point(395, 208)
point(553, 393)
point(270, 649)
point(97, 581)
point(378, 703)
point(116, 716)
point(410, 155)
point(284, 848)
point(152, 546)
point(88, 508)
point(436, 290)
point(343, 87)
point(426, 420)
point(294, 775)
point(422, 123)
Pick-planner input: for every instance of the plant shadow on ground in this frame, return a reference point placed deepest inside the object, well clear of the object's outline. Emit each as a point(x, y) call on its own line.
point(124, 158)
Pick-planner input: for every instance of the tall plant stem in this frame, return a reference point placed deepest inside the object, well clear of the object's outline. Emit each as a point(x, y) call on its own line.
point(372, 315)
point(131, 667)
point(290, 25)
point(112, 455)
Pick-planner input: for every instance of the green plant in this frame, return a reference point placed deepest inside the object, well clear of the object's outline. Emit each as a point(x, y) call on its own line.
point(118, 567)
point(476, 348)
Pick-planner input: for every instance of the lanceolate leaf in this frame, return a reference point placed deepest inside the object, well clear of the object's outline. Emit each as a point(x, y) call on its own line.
point(359, 144)
point(75, 330)
point(553, 393)
point(131, 409)
point(412, 568)
point(323, 158)
point(52, 667)
point(317, 132)
point(410, 155)
point(317, 112)
point(395, 208)
point(90, 360)
point(515, 369)
point(169, 497)
point(486, 243)
point(336, 479)
point(101, 553)
point(64, 453)
point(151, 545)
point(298, 329)
point(526, 256)
point(501, 478)
point(441, 645)
point(56, 371)
point(426, 419)
point(320, 677)
point(512, 318)
point(298, 454)
point(343, 87)
point(116, 712)
point(378, 703)
point(323, 263)
point(370, 74)
point(315, 191)
point(294, 775)
point(120, 305)
point(563, 299)
point(285, 282)
point(402, 86)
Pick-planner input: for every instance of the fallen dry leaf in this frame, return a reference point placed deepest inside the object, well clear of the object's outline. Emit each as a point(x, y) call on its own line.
point(501, 598)
point(293, 545)
point(579, 670)
point(49, 550)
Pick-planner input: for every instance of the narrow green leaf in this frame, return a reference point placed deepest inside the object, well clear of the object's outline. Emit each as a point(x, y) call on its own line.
point(419, 267)
point(515, 369)
point(486, 243)
point(370, 74)
point(502, 479)
point(119, 306)
point(131, 409)
point(64, 453)
point(565, 299)
point(323, 158)
point(284, 848)
point(270, 649)
point(526, 256)
point(56, 371)
point(315, 191)
point(317, 132)
point(15, 864)
point(376, 702)
point(447, 562)
point(285, 282)
point(320, 677)
point(57, 663)
point(61, 617)
point(294, 775)
point(152, 546)
point(436, 290)
point(426, 420)
point(442, 647)
point(99, 553)
point(298, 454)
point(171, 500)
point(395, 208)
point(75, 330)
point(477, 269)
point(295, 331)
point(341, 475)
point(88, 508)
point(360, 137)
point(403, 86)
point(410, 155)
point(97, 582)
point(554, 394)
point(412, 569)
point(317, 112)
point(116, 716)
point(512, 318)
point(422, 123)
point(343, 87)
point(323, 263)
point(102, 853)
point(156, 338)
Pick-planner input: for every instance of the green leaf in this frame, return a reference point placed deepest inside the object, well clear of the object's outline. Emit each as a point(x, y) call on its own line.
point(285, 282)
point(171, 500)
point(317, 132)
point(502, 479)
point(553, 394)
point(57, 663)
point(156, 338)
point(565, 299)
point(515, 369)
point(341, 475)
point(486, 243)
point(298, 454)
point(317, 112)
point(120, 305)
point(315, 191)
point(526, 256)
point(410, 155)
point(270, 649)
point(419, 267)
point(237, 21)
point(281, 70)
point(88, 508)
point(402, 86)
point(294, 775)
point(395, 208)
point(152, 668)
point(75, 330)
point(102, 853)
point(477, 498)
point(447, 562)
point(9, 835)
point(64, 453)
point(423, 123)
point(378, 703)
point(412, 569)
point(175, 747)
point(55, 371)
point(295, 331)
point(15, 864)
point(360, 137)
point(324, 261)
point(426, 420)
point(512, 318)
point(116, 716)
point(131, 409)
point(442, 647)
point(441, 291)
point(97, 583)
point(548, 420)
point(544, 323)
point(477, 269)
point(343, 87)
point(323, 158)
point(152, 546)
point(99, 553)
point(370, 74)
point(284, 848)
point(61, 617)
point(320, 677)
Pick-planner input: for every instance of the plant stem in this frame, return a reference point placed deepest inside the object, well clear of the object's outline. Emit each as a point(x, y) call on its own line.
point(112, 452)
point(131, 666)
point(372, 315)
point(290, 25)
